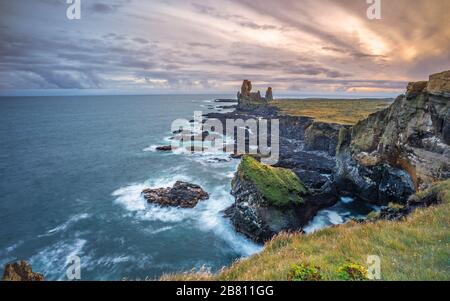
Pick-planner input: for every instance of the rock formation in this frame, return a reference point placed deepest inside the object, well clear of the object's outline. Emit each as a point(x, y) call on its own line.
point(182, 194)
point(394, 152)
point(439, 84)
point(269, 94)
point(270, 200)
point(247, 97)
point(21, 271)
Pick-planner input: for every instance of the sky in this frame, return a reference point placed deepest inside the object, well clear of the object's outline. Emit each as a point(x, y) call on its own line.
point(162, 46)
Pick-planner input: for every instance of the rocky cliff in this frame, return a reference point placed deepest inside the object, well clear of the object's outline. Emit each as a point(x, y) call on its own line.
point(270, 200)
point(394, 152)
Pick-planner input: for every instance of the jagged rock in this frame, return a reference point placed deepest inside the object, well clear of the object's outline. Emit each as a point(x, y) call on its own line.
point(322, 136)
point(439, 84)
point(21, 271)
point(433, 196)
point(246, 88)
point(415, 88)
point(408, 142)
point(247, 97)
point(182, 194)
point(270, 200)
point(269, 94)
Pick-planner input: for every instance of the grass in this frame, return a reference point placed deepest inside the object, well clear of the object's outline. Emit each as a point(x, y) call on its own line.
point(417, 248)
point(340, 111)
point(279, 186)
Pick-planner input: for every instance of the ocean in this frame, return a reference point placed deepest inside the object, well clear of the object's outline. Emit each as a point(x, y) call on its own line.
point(73, 169)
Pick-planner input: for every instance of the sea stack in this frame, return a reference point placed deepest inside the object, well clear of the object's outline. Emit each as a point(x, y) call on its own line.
point(247, 97)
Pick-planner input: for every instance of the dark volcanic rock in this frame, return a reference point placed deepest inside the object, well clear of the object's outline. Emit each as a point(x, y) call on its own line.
point(430, 197)
point(21, 271)
point(258, 215)
point(322, 137)
point(225, 100)
point(165, 148)
point(182, 194)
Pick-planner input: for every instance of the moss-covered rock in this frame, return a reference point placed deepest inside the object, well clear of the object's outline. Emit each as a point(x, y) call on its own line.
point(270, 200)
point(279, 187)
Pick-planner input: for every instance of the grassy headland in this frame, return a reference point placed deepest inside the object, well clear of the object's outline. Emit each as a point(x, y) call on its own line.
point(341, 111)
point(417, 248)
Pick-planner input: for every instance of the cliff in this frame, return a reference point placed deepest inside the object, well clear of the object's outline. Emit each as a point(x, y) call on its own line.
point(404, 148)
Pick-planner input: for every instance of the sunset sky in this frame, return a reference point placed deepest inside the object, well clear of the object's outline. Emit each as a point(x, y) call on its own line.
point(212, 45)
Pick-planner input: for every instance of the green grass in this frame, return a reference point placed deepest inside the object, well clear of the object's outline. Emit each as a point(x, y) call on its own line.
point(417, 248)
point(279, 186)
point(341, 111)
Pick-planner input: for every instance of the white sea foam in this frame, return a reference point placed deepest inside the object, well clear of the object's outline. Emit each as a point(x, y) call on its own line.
point(347, 200)
point(334, 217)
point(73, 220)
point(211, 218)
point(151, 148)
point(130, 197)
point(52, 261)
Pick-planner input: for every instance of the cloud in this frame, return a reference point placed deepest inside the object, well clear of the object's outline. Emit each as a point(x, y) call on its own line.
point(318, 45)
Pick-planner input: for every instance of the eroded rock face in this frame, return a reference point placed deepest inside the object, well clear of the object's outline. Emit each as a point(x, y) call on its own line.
point(439, 84)
point(21, 271)
point(415, 88)
point(258, 216)
point(394, 152)
point(182, 194)
point(322, 137)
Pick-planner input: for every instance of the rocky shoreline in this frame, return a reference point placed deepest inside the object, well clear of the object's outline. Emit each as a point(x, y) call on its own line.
point(383, 159)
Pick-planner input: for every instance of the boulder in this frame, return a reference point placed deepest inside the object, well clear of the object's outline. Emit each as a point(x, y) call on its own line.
point(21, 271)
point(182, 194)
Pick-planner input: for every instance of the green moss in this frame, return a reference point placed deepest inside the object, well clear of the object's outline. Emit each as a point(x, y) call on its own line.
point(304, 272)
point(279, 186)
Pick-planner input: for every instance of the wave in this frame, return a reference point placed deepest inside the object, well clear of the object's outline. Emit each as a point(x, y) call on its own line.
point(52, 261)
point(151, 148)
point(74, 219)
point(206, 216)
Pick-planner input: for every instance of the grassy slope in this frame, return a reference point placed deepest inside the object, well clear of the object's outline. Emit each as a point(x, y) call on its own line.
point(341, 111)
point(278, 185)
point(415, 249)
